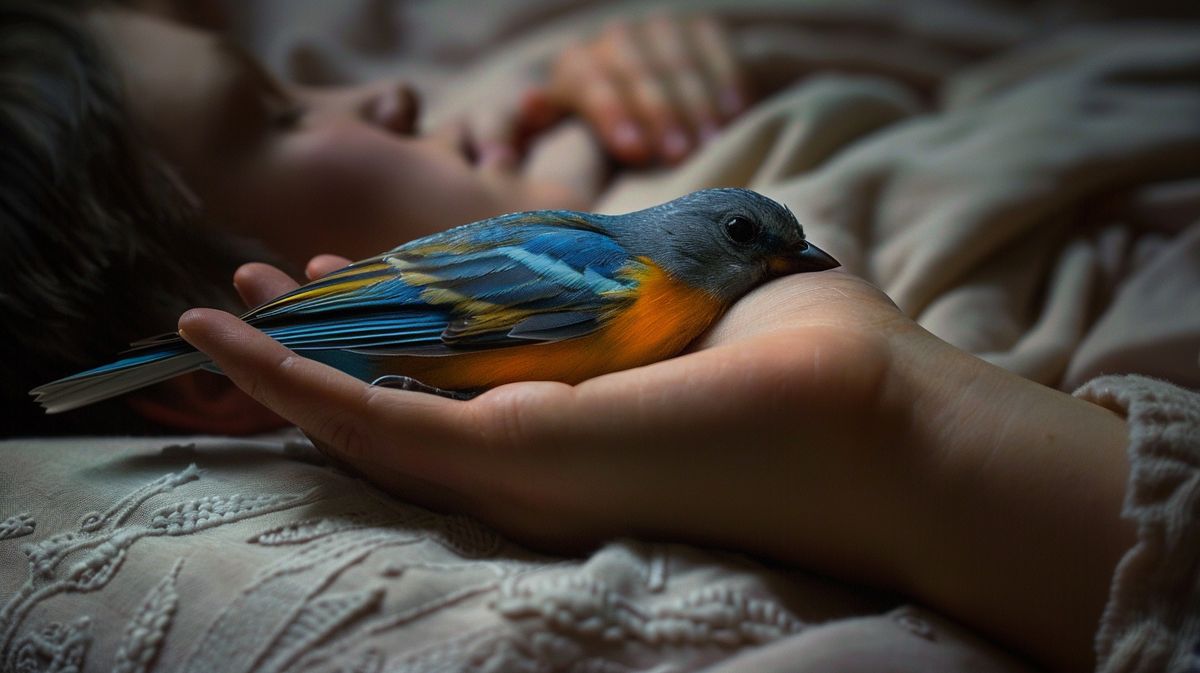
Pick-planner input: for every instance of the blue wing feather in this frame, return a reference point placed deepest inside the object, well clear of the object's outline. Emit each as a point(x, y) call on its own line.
point(361, 332)
point(505, 281)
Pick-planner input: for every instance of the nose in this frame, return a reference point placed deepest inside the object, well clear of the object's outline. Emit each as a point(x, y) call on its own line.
point(393, 106)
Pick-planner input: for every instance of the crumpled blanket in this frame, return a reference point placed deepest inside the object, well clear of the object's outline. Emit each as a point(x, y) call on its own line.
point(1047, 219)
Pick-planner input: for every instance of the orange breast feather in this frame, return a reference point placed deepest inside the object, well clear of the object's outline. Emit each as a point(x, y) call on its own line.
point(665, 316)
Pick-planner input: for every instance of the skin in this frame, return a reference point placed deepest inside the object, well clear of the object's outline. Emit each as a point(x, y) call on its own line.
point(804, 427)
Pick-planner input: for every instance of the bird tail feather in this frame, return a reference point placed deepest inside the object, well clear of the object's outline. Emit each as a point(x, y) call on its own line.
point(138, 369)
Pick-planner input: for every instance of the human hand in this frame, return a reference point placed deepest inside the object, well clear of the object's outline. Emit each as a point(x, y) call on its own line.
point(652, 90)
point(813, 424)
point(635, 452)
point(641, 92)
point(655, 89)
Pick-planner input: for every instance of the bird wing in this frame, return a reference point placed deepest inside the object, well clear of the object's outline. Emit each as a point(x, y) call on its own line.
point(512, 282)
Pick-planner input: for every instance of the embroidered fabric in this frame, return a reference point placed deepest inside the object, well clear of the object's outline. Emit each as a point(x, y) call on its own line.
point(232, 556)
point(17, 526)
point(147, 628)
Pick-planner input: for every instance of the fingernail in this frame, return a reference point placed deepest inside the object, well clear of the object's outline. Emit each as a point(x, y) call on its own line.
point(675, 143)
point(627, 134)
point(731, 102)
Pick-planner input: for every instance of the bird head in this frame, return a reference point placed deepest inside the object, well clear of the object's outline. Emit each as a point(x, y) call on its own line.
point(724, 241)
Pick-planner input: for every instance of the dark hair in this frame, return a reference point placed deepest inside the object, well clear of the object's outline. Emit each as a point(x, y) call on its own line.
point(98, 245)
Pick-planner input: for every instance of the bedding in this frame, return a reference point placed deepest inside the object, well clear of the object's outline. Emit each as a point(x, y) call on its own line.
point(1022, 179)
point(221, 555)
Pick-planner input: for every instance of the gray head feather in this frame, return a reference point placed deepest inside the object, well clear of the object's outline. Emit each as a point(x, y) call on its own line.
point(724, 241)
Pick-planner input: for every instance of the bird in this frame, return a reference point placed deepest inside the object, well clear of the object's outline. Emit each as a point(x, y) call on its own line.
point(547, 295)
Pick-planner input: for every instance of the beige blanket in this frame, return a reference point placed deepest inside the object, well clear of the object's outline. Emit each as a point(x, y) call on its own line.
point(1029, 191)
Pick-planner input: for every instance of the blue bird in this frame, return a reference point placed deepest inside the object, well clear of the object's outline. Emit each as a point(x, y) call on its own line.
point(543, 295)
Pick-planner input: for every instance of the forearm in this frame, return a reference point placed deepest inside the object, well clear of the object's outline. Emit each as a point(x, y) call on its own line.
point(1022, 524)
point(989, 497)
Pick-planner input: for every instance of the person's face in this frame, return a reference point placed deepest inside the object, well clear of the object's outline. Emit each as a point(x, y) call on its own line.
point(305, 171)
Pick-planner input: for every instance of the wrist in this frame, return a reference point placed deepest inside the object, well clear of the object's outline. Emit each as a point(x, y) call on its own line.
point(1020, 495)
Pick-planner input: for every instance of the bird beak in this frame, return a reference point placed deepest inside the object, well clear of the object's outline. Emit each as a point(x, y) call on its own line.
point(800, 259)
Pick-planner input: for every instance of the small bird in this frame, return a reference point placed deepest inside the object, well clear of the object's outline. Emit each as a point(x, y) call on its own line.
point(548, 295)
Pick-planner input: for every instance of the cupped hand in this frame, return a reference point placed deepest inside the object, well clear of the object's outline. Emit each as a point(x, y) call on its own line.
point(758, 429)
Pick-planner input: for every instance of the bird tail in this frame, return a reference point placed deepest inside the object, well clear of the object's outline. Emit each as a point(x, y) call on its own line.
point(140, 367)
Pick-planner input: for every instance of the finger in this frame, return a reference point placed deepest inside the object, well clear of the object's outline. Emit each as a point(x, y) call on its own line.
point(581, 83)
point(258, 283)
point(651, 97)
point(716, 52)
point(354, 418)
point(323, 265)
point(646, 91)
point(691, 89)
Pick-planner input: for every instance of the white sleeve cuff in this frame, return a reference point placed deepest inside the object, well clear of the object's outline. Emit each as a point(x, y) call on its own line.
point(1152, 619)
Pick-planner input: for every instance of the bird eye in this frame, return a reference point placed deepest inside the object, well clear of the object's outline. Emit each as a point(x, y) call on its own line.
point(741, 229)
